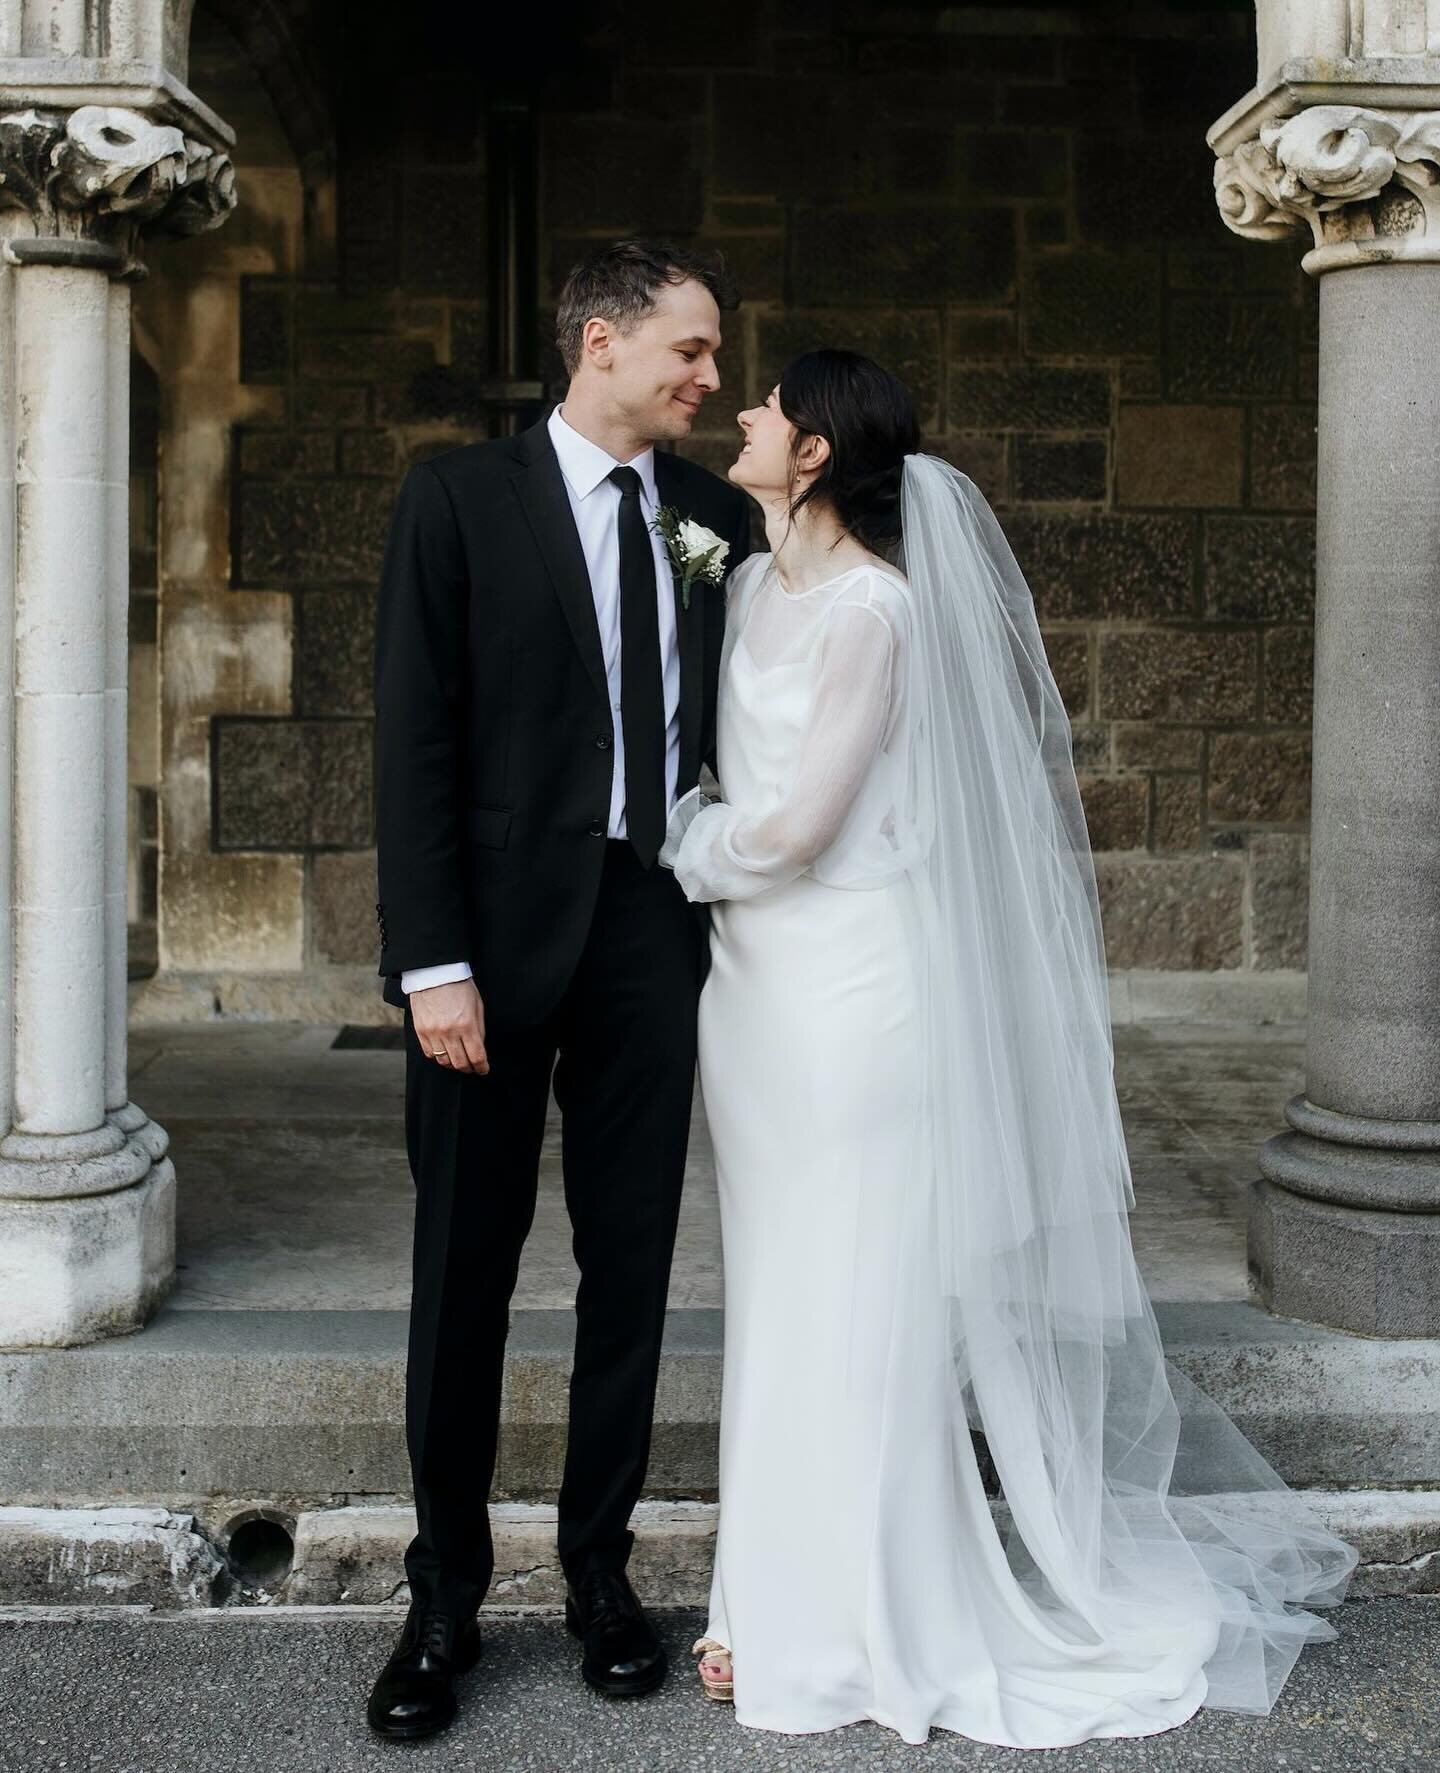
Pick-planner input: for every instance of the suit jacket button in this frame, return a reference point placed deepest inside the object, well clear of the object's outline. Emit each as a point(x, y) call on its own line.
point(597, 827)
point(603, 742)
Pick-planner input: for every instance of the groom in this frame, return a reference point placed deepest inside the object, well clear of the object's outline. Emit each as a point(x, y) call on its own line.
point(543, 696)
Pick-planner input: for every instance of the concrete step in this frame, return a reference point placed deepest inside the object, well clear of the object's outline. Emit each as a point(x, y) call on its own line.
point(259, 1456)
point(306, 1408)
point(354, 1556)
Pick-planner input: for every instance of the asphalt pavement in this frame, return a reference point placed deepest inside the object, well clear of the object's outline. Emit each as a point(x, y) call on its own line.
point(283, 1691)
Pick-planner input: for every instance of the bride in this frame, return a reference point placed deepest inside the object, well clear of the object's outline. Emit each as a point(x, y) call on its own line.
point(906, 1060)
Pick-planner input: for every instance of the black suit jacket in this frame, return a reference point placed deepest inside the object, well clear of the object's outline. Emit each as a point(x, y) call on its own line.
point(494, 735)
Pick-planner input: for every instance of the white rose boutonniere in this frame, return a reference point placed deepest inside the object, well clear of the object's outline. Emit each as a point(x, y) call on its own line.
point(695, 552)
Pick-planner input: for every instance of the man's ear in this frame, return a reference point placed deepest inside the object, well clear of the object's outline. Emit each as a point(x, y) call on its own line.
point(596, 342)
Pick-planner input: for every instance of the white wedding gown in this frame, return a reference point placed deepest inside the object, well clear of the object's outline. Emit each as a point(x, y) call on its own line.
point(858, 1574)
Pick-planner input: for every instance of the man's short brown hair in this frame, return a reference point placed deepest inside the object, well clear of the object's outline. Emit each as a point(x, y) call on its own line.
point(619, 283)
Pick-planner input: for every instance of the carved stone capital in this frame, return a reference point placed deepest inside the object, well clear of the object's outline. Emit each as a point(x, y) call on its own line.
point(104, 173)
point(1365, 181)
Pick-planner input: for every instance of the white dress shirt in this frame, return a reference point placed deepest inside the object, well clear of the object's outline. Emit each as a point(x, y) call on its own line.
point(595, 502)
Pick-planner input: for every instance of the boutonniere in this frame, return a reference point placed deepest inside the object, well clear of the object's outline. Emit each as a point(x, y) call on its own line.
point(695, 552)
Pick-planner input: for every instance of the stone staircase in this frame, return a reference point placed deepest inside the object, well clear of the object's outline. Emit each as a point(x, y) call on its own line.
point(258, 1457)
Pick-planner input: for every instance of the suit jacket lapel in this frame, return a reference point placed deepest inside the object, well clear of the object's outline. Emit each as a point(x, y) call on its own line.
point(690, 639)
point(540, 487)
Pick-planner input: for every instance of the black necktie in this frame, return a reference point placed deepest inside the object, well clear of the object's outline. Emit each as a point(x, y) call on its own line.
point(642, 686)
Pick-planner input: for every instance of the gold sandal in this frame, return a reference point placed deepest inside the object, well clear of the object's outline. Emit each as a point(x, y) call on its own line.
point(716, 1673)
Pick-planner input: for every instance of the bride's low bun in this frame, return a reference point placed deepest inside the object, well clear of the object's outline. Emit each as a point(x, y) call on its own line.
point(867, 417)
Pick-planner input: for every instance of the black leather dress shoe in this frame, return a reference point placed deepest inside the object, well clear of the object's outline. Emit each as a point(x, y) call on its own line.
point(623, 1656)
point(413, 1695)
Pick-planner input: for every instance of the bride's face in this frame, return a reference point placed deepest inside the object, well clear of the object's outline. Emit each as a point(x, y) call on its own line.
point(764, 463)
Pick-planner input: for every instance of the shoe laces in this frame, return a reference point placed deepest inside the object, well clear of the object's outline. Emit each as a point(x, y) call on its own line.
point(434, 1634)
point(606, 1599)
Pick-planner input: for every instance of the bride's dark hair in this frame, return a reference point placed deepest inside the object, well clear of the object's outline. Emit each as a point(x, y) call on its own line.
point(867, 417)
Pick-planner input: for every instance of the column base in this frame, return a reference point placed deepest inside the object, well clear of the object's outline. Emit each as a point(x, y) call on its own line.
point(74, 1270)
point(1374, 1272)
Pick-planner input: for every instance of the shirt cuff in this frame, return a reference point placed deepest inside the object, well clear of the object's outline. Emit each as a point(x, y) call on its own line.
point(422, 978)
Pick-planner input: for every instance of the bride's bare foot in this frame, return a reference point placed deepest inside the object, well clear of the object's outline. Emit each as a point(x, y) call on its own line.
point(716, 1675)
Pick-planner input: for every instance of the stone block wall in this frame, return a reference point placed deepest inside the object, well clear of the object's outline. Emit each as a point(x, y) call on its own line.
point(1010, 208)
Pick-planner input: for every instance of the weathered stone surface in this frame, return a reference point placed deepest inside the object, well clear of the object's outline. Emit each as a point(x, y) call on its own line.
point(908, 345)
point(1082, 566)
point(286, 452)
point(1090, 747)
point(1158, 747)
point(1179, 455)
point(913, 159)
point(1093, 304)
point(1139, 378)
point(367, 452)
point(1200, 62)
point(665, 96)
point(1178, 812)
point(370, 357)
point(132, 1557)
point(443, 229)
point(368, 226)
point(265, 329)
point(330, 403)
point(661, 35)
point(1087, 104)
point(756, 262)
point(713, 451)
point(1260, 569)
point(321, 307)
point(1216, 346)
point(1023, 56)
point(1045, 225)
point(342, 907)
point(294, 531)
point(1028, 398)
point(438, 393)
point(1060, 468)
point(292, 784)
point(968, 334)
point(469, 339)
point(841, 254)
point(1172, 912)
point(335, 652)
point(1279, 898)
point(1117, 811)
point(1107, 166)
point(1260, 776)
point(1012, 163)
point(1288, 673)
point(1067, 651)
point(1282, 457)
point(1204, 268)
point(984, 459)
point(591, 166)
point(1177, 674)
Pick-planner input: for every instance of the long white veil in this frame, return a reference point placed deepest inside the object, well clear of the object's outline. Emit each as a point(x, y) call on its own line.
point(1130, 1497)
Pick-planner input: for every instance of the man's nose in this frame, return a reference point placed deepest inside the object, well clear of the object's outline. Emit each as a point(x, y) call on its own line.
point(709, 375)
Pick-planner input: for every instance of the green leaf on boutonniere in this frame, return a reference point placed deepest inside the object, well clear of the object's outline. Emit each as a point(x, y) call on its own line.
point(696, 553)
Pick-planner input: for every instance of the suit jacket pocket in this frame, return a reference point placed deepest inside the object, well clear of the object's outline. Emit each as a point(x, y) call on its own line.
point(488, 825)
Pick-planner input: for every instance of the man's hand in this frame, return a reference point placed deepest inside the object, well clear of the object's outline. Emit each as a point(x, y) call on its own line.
point(450, 1021)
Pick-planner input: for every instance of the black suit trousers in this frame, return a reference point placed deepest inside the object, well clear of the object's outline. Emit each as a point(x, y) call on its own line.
point(621, 1043)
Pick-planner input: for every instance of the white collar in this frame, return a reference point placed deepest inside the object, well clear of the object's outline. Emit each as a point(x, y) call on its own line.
point(584, 464)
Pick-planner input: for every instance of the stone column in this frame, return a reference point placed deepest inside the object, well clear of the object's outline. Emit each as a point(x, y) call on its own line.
point(1345, 1223)
point(86, 1190)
